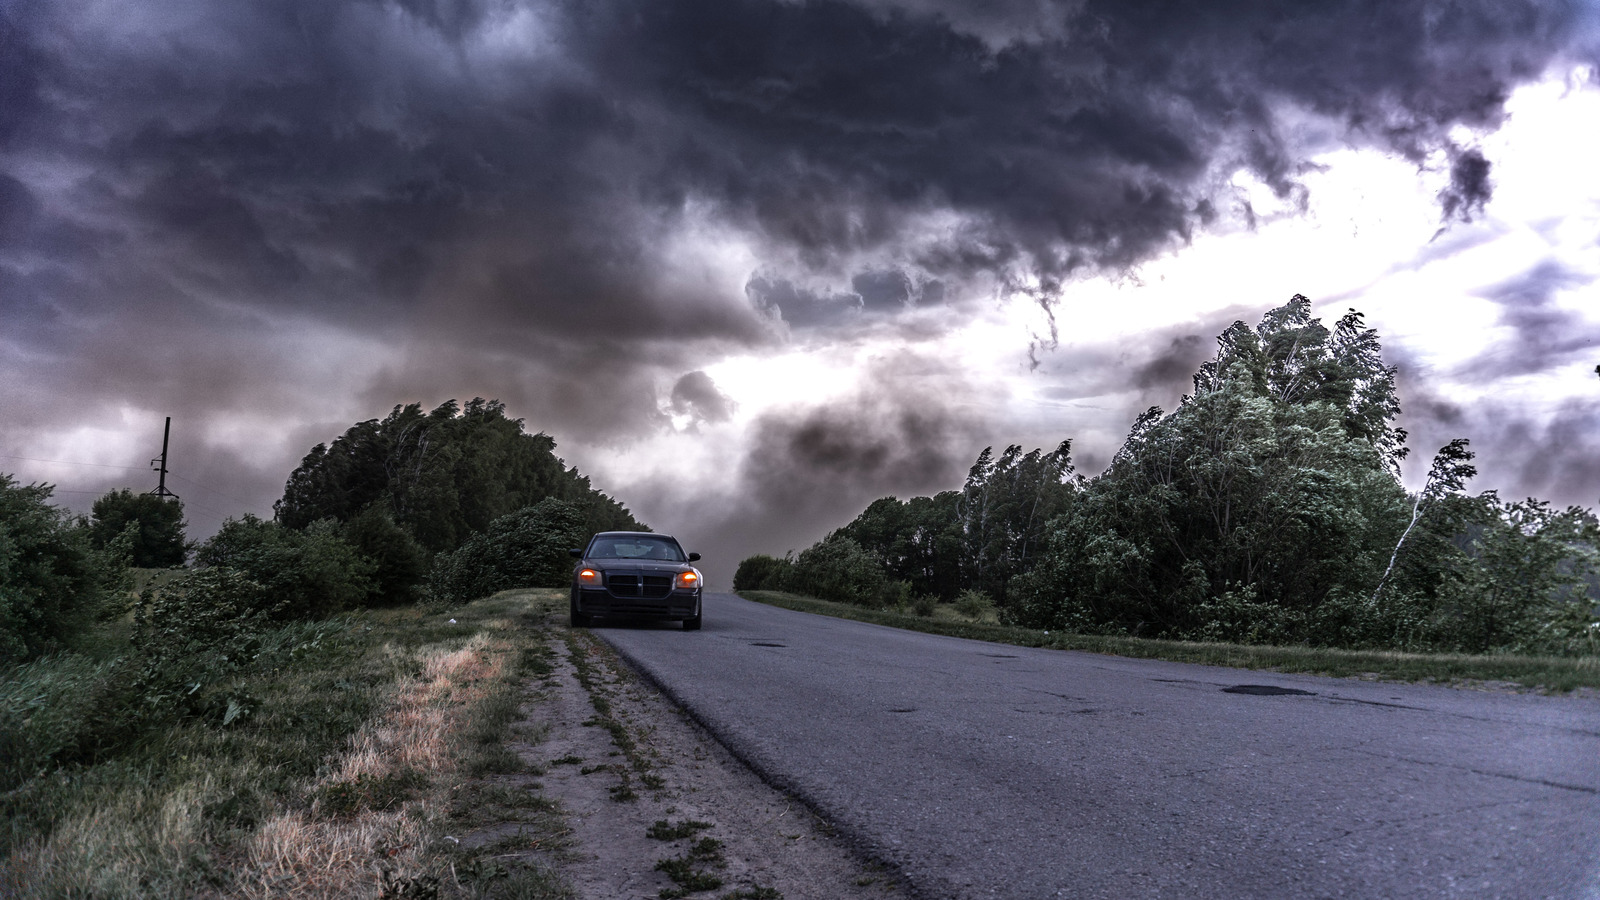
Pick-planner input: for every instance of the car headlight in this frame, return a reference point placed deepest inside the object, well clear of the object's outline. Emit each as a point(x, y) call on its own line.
point(589, 577)
point(690, 579)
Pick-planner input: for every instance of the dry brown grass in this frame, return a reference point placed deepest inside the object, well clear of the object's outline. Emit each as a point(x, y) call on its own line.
point(309, 854)
point(154, 838)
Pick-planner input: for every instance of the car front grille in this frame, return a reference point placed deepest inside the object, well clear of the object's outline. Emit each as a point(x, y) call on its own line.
point(639, 587)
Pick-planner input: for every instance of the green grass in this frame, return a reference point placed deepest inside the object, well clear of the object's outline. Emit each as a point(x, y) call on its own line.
point(1557, 674)
point(170, 807)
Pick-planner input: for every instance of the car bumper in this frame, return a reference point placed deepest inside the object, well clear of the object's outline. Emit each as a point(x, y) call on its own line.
point(676, 605)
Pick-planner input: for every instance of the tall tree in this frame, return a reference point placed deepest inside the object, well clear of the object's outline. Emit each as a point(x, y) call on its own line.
point(1272, 489)
point(156, 540)
point(443, 475)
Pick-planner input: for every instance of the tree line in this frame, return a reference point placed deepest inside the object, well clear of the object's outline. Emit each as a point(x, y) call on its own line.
point(446, 505)
point(1266, 508)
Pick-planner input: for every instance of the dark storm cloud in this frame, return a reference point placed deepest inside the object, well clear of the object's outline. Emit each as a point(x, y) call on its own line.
point(801, 307)
point(696, 395)
point(357, 160)
point(523, 197)
point(1469, 186)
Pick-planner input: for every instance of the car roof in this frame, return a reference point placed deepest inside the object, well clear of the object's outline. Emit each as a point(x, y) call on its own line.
point(654, 534)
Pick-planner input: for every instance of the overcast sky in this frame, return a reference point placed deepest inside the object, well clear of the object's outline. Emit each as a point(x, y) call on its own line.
point(755, 264)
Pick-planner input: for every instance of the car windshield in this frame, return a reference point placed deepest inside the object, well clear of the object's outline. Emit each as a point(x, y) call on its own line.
point(636, 548)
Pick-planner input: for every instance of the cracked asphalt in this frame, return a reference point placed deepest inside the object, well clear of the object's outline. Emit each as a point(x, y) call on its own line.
point(985, 770)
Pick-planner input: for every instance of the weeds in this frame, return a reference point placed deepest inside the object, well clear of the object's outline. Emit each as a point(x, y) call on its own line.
point(663, 830)
point(578, 650)
point(687, 871)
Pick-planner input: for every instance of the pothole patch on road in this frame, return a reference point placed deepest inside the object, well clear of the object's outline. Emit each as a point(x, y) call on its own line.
point(904, 709)
point(1266, 690)
point(766, 644)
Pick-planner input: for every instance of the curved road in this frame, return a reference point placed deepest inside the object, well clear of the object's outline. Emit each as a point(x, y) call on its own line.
point(985, 770)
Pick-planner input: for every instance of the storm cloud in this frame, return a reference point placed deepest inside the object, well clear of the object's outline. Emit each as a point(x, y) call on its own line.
point(573, 206)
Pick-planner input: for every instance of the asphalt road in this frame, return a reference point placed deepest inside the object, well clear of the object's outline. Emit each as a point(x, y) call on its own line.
point(985, 770)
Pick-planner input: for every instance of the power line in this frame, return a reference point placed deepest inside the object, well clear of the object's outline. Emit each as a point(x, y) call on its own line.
point(68, 462)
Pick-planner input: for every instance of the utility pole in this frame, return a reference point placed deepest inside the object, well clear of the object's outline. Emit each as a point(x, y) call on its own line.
point(160, 464)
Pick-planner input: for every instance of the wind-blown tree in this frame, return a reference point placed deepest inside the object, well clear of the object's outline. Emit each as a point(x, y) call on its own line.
point(918, 542)
point(1266, 494)
point(156, 541)
point(1266, 508)
point(1003, 511)
point(443, 475)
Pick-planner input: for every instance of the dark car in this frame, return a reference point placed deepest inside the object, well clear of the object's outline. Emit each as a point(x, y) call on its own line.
point(636, 574)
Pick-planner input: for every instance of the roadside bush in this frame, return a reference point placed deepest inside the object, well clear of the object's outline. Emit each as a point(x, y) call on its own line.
point(302, 574)
point(400, 562)
point(973, 604)
point(52, 580)
point(838, 569)
point(761, 573)
point(527, 548)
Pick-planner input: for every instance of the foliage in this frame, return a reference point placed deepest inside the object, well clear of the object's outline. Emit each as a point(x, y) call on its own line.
point(1003, 511)
point(1266, 508)
point(761, 573)
point(837, 568)
point(443, 475)
point(1522, 583)
point(919, 541)
point(303, 574)
point(52, 579)
point(973, 604)
point(400, 563)
point(527, 548)
point(192, 646)
point(195, 633)
point(157, 539)
point(169, 809)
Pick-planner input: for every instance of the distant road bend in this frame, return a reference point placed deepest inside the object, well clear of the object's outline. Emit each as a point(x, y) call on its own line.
point(984, 770)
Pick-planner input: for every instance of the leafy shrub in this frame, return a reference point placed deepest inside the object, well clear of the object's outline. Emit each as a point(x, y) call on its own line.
point(302, 574)
point(157, 538)
point(924, 604)
point(191, 636)
point(973, 604)
point(527, 548)
point(400, 563)
point(838, 569)
point(761, 573)
point(52, 580)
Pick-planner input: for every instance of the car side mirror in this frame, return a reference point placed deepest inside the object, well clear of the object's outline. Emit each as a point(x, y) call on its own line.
point(693, 557)
point(575, 554)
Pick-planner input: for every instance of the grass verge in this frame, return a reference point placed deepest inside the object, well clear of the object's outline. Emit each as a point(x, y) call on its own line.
point(1556, 674)
point(367, 739)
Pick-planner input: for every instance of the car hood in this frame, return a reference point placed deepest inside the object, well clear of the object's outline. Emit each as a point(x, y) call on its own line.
point(636, 565)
